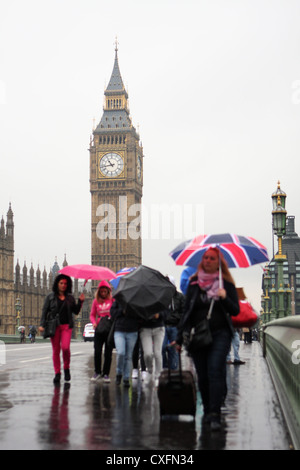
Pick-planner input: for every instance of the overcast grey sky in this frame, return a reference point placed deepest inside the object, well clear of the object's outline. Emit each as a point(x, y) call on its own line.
point(214, 86)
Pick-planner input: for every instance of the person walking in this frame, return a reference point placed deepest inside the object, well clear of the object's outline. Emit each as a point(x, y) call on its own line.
point(152, 333)
point(172, 318)
point(235, 343)
point(101, 307)
point(32, 333)
point(138, 358)
point(22, 336)
point(125, 337)
point(210, 362)
point(60, 302)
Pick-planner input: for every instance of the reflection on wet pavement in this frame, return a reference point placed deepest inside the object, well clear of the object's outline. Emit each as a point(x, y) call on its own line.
point(34, 414)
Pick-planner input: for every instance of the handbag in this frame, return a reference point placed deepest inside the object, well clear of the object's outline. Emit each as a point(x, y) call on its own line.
point(200, 335)
point(50, 327)
point(247, 316)
point(104, 326)
point(51, 324)
point(110, 339)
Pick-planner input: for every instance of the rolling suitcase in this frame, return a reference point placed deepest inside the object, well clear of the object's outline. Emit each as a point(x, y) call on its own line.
point(177, 392)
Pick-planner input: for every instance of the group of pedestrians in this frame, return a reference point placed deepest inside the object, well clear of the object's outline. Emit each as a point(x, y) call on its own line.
point(31, 335)
point(133, 338)
point(211, 292)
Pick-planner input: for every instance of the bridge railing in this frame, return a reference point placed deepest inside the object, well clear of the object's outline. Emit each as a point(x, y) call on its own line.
point(281, 349)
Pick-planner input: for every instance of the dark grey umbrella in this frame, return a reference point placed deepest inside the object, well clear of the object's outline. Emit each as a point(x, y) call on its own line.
point(144, 291)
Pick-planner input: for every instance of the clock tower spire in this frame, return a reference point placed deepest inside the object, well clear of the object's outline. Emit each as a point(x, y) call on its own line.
point(116, 157)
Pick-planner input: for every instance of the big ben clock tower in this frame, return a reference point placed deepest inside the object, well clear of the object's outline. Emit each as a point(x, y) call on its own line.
point(116, 180)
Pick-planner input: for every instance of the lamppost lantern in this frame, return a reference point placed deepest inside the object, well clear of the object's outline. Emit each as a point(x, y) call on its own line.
point(18, 306)
point(278, 194)
point(279, 218)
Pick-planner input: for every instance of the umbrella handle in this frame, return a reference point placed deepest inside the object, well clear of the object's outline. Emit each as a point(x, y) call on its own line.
point(221, 285)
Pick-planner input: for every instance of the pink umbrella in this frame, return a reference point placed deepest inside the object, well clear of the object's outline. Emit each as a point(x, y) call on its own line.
point(87, 272)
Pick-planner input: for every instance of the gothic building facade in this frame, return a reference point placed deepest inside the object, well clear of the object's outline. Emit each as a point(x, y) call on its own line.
point(22, 291)
point(7, 293)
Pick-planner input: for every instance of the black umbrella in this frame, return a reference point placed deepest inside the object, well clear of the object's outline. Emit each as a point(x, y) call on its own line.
point(144, 292)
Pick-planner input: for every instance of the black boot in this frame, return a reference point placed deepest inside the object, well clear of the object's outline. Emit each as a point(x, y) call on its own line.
point(67, 375)
point(56, 379)
point(215, 422)
point(118, 379)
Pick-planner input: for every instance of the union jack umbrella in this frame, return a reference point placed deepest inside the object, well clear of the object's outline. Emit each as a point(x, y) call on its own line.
point(120, 274)
point(239, 251)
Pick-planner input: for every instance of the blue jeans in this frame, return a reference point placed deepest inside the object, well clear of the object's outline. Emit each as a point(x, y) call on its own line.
point(125, 342)
point(170, 355)
point(210, 364)
point(236, 346)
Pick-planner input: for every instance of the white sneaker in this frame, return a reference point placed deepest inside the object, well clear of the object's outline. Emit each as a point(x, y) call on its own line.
point(146, 376)
point(95, 377)
point(135, 374)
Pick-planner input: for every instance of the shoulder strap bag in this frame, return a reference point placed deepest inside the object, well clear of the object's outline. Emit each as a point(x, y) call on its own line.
point(51, 323)
point(104, 326)
point(200, 335)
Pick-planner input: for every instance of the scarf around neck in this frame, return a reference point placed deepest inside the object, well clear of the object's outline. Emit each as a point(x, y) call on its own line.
point(209, 283)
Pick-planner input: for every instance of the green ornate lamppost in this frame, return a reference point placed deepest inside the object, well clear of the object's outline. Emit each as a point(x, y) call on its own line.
point(279, 225)
point(266, 298)
point(18, 308)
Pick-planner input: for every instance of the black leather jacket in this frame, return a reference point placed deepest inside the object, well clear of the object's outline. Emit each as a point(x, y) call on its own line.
point(50, 308)
point(197, 306)
point(174, 313)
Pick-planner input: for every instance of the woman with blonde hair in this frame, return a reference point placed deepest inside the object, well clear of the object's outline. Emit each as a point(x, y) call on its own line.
point(209, 296)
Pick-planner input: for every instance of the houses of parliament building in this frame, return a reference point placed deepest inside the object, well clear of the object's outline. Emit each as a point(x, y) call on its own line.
point(116, 180)
point(22, 292)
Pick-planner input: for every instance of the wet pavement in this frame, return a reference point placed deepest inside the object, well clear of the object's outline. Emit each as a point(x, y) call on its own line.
point(34, 414)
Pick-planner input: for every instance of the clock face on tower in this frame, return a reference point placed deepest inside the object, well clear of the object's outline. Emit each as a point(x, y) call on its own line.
point(111, 165)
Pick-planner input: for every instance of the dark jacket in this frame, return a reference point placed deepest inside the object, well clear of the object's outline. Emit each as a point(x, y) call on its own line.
point(124, 321)
point(51, 308)
point(174, 313)
point(197, 306)
point(152, 322)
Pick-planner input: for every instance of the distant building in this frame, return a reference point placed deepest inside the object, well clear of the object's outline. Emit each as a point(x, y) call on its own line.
point(291, 267)
point(29, 286)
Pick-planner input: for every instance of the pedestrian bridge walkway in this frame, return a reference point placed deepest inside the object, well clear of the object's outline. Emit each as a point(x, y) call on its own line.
point(252, 414)
point(88, 416)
